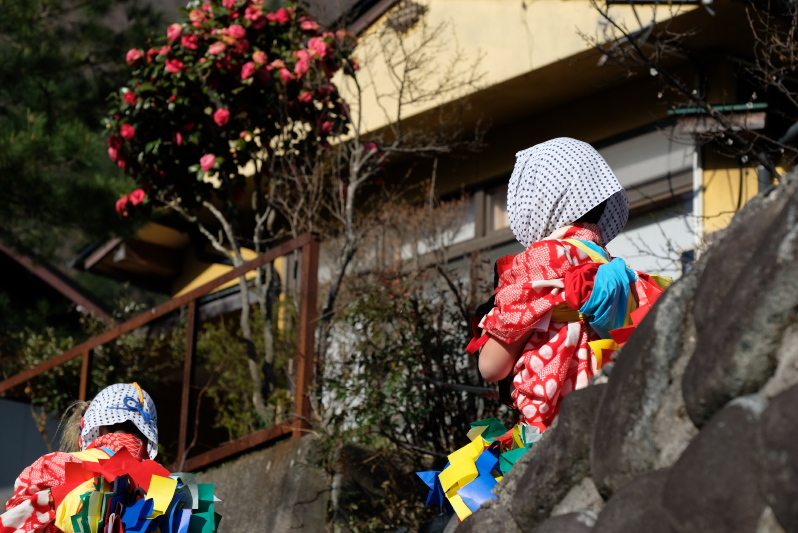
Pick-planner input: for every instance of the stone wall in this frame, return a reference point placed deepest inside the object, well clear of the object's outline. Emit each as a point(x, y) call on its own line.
point(277, 489)
point(696, 428)
point(284, 488)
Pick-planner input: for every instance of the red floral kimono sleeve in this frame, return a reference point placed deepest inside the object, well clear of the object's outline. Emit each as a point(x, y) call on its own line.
point(529, 290)
point(29, 509)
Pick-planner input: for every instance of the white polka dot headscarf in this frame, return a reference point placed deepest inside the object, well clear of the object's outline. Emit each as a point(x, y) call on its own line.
point(116, 404)
point(556, 182)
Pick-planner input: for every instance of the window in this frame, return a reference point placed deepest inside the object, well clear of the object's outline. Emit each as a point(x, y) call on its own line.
point(497, 209)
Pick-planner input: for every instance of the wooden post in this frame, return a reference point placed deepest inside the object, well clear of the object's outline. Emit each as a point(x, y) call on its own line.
point(188, 377)
point(307, 325)
point(85, 375)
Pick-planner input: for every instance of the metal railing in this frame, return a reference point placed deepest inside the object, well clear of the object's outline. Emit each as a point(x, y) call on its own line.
point(308, 243)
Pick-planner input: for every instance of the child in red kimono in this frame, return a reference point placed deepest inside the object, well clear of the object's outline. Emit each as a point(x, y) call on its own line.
point(120, 416)
point(565, 292)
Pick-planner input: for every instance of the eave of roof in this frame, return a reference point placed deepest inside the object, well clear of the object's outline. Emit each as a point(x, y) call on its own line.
point(60, 282)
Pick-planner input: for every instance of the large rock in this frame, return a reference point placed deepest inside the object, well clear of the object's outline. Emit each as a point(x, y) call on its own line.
point(730, 254)
point(636, 507)
point(748, 294)
point(779, 457)
point(560, 462)
point(491, 519)
point(714, 486)
point(581, 522)
point(642, 424)
point(582, 497)
point(786, 373)
point(768, 523)
point(277, 489)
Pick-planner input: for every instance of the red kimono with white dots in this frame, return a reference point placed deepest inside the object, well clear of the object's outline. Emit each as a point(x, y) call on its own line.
point(30, 508)
point(557, 359)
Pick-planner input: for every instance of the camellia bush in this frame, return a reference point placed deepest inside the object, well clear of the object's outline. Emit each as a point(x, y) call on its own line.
point(228, 86)
point(209, 110)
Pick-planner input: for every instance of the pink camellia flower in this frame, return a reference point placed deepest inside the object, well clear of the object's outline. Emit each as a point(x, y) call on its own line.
point(319, 46)
point(196, 15)
point(113, 153)
point(303, 65)
point(253, 13)
point(301, 68)
point(137, 196)
point(190, 41)
point(248, 70)
point(165, 49)
point(236, 31)
point(179, 138)
point(305, 97)
point(229, 4)
point(121, 206)
point(260, 57)
point(327, 126)
point(127, 131)
point(122, 163)
point(174, 32)
point(276, 64)
point(282, 16)
point(221, 117)
point(286, 75)
point(309, 25)
point(130, 97)
point(217, 48)
point(151, 53)
point(133, 56)
point(207, 162)
point(174, 66)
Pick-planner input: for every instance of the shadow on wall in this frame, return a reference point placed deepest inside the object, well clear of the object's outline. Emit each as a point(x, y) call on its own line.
point(20, 444)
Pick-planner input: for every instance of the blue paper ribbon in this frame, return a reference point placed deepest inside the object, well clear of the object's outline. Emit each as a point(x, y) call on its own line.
point(609, 300)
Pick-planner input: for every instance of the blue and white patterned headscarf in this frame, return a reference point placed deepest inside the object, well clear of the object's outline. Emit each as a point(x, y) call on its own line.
point(556, 182)
point(116, 404)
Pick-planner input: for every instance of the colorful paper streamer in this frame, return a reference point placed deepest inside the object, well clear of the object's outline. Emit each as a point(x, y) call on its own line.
point(468, 479)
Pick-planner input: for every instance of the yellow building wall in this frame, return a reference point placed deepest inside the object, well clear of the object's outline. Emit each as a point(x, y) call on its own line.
point(725, 191)
point(196, 273)
point(508, 37)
